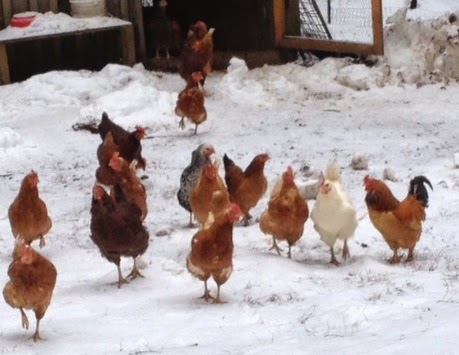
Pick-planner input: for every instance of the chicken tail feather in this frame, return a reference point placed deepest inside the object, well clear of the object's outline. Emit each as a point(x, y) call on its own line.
point(418, 189)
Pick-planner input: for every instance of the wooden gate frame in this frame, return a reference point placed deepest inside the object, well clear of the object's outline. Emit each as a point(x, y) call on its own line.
point(295, 42)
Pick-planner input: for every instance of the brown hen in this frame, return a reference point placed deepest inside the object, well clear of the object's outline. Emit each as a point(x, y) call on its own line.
point(28, 213)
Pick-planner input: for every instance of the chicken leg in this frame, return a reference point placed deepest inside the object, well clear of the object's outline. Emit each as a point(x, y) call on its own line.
point(346, 253)
point(410, 256)
point(275, 246)
point(333, 258)
point(206, 294)
point(25, 321)
point(121, 279)
point(182, 123)
point(36, 336)
point(217, 300)
point(42, 241)
point(395, 258)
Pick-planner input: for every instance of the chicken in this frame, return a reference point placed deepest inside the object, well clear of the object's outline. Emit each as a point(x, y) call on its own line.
point(197, 52)
point(129, 143)
point(104, 173)
point(190, 103)
point(246, 187)
point(399, 222)
point(158, 29)
point(31, 284)
point(201, 196)
point(286, 214)
point(190, 175)
point(28, 213)
point(129, 182)
point(116, 228)
point(212, 249)
point(333, 214)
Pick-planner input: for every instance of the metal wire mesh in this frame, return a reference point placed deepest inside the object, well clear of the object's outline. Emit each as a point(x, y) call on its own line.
point(312, 22)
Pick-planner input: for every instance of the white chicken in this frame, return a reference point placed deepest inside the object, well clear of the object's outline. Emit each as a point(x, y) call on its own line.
point(333, 214)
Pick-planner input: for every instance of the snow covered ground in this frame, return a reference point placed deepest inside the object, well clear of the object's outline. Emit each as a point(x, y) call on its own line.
point(301, 117)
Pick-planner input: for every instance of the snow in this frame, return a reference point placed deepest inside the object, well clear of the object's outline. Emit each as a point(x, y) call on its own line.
point(304, 117)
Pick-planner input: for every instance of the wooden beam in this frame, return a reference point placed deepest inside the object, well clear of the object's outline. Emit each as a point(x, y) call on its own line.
point(124, 10)
point(140, 39)
point(7, 11)
point(128, 45)
point(378, 29)
point(33, 5)
point(53, 6)
point(4, 67)
point(279, 20)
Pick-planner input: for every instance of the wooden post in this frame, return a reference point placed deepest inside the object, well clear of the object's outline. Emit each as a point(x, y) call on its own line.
point(128, 45)
point(279, 20)
point(33, 5)
point(378, 30)
point(4, 67)
point(7, 11)
point(53, 6)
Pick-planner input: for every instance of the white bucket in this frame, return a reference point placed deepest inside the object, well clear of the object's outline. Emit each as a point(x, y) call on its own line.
point(87, 8)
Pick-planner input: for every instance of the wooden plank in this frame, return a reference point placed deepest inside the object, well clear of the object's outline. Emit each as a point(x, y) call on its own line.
point(33, 5)
point(326, 45)
point(4, 66)
point(128, 45)
point(124, 10)
point(54, 6)
point(279, 20)
point(7, 11)
point(140, 38)
point(378, 29)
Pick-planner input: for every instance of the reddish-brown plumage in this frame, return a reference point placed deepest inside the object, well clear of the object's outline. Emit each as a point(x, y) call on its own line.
point(190, 102)
point(212, 249)
point(31, 284)
point(202, 199)
point(197, 52)
point(129, 143)
point(28, 214)
point(400, 223)
point(247, 187)
point(130, 183)
point(287, 212)
point(116, 228)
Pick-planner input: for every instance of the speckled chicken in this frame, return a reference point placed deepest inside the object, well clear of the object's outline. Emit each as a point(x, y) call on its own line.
point(190, 175)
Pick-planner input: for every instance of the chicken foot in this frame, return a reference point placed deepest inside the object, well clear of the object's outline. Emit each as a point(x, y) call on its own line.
point(333, 258)
point(206, 294)
point(410, 256)
point(395, 258)
point(25, 321)
point(217, 300)
point(42, 241)
point(275, 246)
point(135, 271)
point(36, 336)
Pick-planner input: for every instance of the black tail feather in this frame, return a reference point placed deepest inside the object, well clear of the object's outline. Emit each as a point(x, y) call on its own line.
point(227, 161)
point(418, 189)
